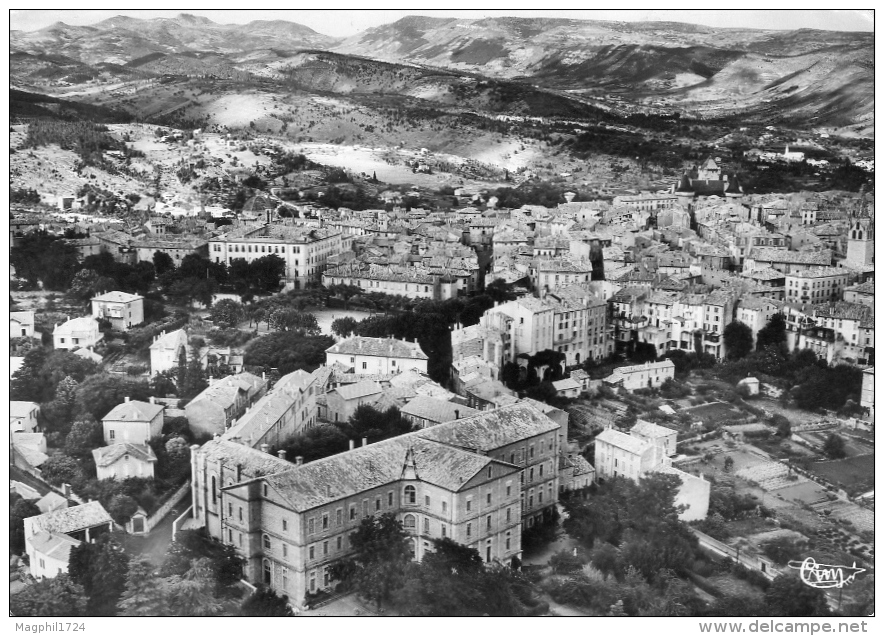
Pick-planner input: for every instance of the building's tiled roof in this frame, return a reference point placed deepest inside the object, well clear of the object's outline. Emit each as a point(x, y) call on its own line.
point(107, 455)
point(343, 475)
point(380, 347)
point(649, 366)
point(170, 340)
point(134, 411)
point(845, 311)
point(224, 390)
point(490, 430)
point(86, 323)
point(758, 304)
point(117, 297)
point(566, 384)
point(252, 462)
point(22, 317)
point(775, 255)
point(621, 440)
point(649, 429)
point(577, 463)
point(867, 287)
point(358, 389)
point(766, 273)
point(53, 544)
point(820, 272)
point(72, 519)
point(18, 408)
point(436, 410)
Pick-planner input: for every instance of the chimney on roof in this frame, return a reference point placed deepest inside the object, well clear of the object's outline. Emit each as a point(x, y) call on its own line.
point(364, 441)
point(126, 399)
point(281, 453)
point(265, 448)
point(299, 460)
point(66, 490)
point(217, 436)
point(457, 414)
point(152, 399)
point(352, 444)
point(328, 490)
point(239, 472)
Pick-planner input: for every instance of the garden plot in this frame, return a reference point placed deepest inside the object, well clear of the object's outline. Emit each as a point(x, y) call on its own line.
point(861, 518)
point(854, 474)
point(770, 475)
point(804, 491)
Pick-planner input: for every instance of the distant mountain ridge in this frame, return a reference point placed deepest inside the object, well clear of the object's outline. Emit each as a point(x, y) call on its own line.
point(807, 75)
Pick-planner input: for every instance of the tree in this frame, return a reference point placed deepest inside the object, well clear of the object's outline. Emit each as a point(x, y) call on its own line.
point(265, 602)
point(290, 319)
point(100, 393)
point(121, 508)
point(784, 426)
point(381, 555)
point(86, 434)
point(83, 285)
point(19, 510)
point(834, 448)
point(266, 273)
point(789, 596)
point(101, 568)
point(375, 425)
point(773, 334)
point(195, 381)
point(193, 593)
point(162, 263)
point(728, 464)
point(499, 291)
point(287, 351)
point(61, 469)
point(146, 594)
point(738, 340)
point(344, 326)
point(227, 313)
point(58, 596)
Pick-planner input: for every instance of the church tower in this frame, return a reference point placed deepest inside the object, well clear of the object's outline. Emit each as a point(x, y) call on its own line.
point(861, 240)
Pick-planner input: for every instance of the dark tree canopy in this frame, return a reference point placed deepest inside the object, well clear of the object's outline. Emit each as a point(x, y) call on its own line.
point(58, 596)
point(773, 334)
point(101, 568)
point(265, 602)
point(788, 595)
point(737, 340)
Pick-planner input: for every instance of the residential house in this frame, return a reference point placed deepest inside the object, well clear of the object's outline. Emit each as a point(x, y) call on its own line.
point(23, 416)
point(291, 407)
point(21, 324)
point(756, 313)
point(575, 473)
point(816, 285)
point(79, 333)
point(424, 411)
point(641, 376)
point(49, 537)
point(377, 355)
point(122, 310)
point(166, 350)
point(345, 399)
point(223, 402)
point(648, 448)
point(133, 421)
point(124, 460)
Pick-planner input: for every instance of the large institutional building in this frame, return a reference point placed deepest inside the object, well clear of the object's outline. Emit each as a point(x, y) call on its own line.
point(477, 480)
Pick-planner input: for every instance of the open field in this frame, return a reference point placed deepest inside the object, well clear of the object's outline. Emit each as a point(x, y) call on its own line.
point(854, 474)
point(717, 412)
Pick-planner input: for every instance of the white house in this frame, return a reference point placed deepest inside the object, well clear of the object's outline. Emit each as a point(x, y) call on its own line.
point(49, 537)
point(21, 324)
point(648, 448)
point(77, 333)
point(642, 376)
point(377, 355)
point(121, 309)
point(124, 460)
point(166, 350)
point(23, 416)
point(133, 421)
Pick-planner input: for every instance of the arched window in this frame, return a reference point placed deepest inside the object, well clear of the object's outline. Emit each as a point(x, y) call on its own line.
point(266, 542)
point(409, 521)
point(410, 495)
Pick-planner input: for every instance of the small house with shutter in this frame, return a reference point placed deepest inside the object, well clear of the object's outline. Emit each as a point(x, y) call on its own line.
point(120, 461)
point(133, 421)
point(166, 350)
point(122, 310)
point(49, 537)
point(377, 355)
point(79, 333)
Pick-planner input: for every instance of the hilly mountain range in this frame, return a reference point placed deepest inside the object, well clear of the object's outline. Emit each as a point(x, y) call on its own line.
point(804, 77)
